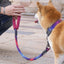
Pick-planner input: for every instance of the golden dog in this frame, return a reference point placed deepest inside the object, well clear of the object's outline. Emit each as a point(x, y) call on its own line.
point(47, 16)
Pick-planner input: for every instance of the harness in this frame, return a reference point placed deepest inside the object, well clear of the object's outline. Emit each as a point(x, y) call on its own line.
point(49, 30)
point(16, 26)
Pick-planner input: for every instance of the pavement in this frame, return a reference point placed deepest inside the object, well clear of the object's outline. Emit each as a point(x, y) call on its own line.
point(32, 41)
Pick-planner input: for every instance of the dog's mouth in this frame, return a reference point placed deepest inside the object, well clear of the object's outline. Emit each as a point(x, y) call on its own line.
point(36, 21)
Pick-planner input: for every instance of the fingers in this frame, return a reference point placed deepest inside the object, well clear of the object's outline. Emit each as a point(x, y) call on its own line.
point(16, 14)
point(14, 10)
point(18, 9)
point(18, 6)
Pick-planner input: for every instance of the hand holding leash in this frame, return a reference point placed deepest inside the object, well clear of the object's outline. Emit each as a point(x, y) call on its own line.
point(14, 10)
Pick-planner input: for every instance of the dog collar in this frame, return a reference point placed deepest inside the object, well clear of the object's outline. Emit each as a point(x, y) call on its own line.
point(49, 30)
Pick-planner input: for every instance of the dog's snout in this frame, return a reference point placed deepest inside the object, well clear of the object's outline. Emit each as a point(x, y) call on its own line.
point(36, 16)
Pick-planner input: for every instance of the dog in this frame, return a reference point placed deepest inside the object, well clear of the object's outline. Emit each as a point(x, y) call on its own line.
point(47, 16)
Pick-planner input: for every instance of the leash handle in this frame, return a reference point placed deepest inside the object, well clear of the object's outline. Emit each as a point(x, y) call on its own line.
point(16, 26)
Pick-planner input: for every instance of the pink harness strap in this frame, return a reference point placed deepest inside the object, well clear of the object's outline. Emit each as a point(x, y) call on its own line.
point(18, 22)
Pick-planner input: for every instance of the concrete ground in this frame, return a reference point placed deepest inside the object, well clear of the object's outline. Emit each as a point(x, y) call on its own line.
point(32, 41)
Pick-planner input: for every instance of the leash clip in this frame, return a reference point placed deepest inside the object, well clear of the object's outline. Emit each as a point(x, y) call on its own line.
point(16, 26)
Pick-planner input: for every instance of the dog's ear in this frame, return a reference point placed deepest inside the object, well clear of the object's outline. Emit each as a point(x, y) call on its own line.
point(39, 5)
point(50, 3)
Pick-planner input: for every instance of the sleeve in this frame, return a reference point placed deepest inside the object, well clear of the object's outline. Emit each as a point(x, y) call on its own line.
point(4, 3)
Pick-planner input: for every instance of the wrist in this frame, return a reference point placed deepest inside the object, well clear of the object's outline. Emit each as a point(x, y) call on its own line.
point(2, 10)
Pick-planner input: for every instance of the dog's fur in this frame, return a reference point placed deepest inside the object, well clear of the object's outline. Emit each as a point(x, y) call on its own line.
point(48, 15)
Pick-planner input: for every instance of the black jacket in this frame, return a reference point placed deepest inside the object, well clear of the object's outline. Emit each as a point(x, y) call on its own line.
point(5, 21)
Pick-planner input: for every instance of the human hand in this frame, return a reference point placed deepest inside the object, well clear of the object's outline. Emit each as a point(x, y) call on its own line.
point(14, 10)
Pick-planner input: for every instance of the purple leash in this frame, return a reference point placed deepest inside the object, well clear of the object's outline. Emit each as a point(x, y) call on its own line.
point(16, 26)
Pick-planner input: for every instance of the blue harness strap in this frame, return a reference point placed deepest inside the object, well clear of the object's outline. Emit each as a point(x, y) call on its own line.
point(49, 30)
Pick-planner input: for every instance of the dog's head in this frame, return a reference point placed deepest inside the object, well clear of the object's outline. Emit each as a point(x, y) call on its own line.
point(47, 15)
